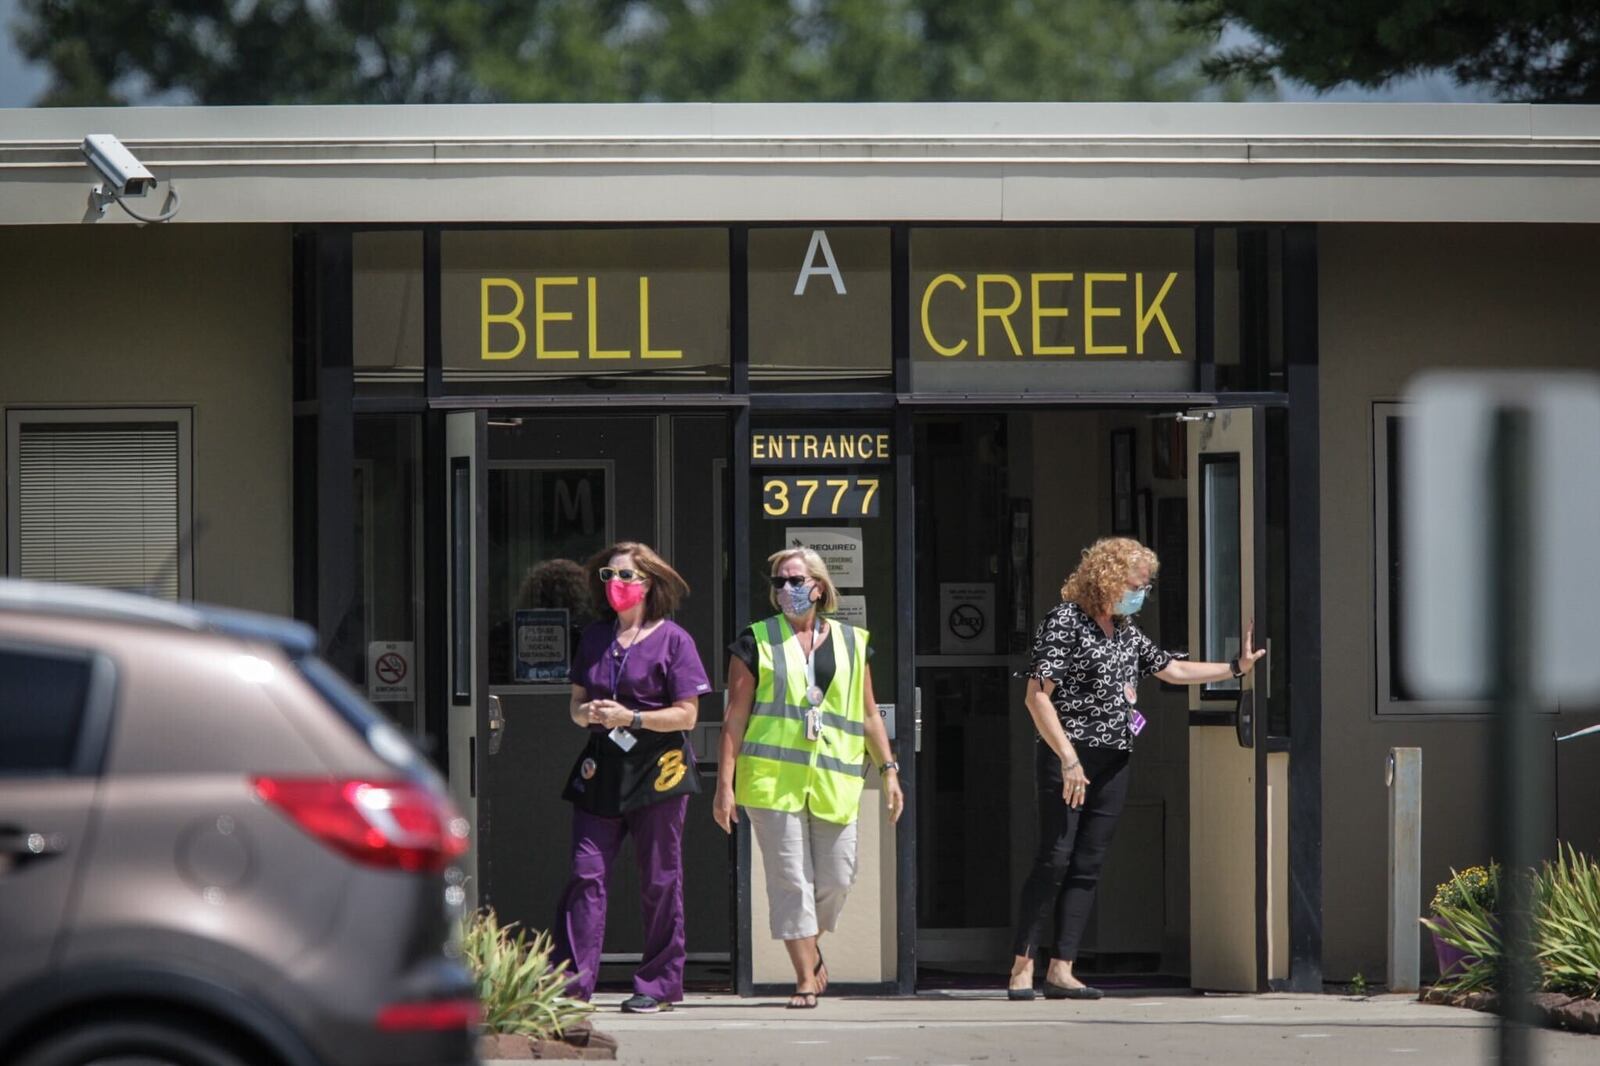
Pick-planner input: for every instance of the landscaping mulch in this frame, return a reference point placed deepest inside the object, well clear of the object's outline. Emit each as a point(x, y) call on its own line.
point(1555, 1011)
point(581, 1041)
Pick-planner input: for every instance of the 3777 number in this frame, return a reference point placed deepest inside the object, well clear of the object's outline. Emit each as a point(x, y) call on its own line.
point(819, 497)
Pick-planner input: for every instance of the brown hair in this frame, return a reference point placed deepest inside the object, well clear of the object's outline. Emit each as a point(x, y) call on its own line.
point(815, 567)
point(556, 583)
point(1102, 576)
point(667, 587)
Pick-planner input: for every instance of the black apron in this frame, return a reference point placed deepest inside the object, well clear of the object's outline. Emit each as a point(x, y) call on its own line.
point(610, 782)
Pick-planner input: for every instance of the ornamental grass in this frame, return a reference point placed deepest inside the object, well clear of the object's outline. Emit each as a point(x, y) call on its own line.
point(1566, 925)
point(521, 991)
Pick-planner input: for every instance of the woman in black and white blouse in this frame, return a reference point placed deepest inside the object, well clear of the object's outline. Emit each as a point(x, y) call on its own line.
point(1088, 659)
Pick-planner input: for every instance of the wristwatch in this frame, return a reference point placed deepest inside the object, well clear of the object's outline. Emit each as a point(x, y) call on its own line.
point(638, 720)
point(1233, 664)
point(890, 765)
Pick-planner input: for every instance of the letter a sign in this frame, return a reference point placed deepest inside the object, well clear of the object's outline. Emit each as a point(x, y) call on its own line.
point(819, 242)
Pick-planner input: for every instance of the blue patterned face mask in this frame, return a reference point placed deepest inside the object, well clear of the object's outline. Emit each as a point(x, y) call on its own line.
point(796, 601)
point(1130, 602)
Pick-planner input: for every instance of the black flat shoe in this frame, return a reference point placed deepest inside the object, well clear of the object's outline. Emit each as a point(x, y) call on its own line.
point(643, 1004)
point(1019, 994)
point(1055, 991)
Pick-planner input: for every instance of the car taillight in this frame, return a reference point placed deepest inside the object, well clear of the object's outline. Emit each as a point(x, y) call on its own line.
point(380, 823)
point(433, 1016)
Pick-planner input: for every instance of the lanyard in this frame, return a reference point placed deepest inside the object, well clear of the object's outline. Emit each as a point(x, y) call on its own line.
point(619, 663)
point(813, 693)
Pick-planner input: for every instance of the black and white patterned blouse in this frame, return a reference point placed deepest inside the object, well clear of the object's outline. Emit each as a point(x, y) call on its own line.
point(1096, 676)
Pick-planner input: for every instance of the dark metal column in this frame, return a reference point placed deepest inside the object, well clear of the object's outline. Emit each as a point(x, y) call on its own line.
point(1305, 611)
point(739, 449)
point(324, 522)
point(1205, 309)
point(435, 634)
point(905, 584)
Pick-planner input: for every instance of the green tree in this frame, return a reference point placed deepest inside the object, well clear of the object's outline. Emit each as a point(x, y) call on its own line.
point(433, 51)
point(1524, 50)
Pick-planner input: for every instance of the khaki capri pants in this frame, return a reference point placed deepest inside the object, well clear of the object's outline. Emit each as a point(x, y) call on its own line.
point(810, 866)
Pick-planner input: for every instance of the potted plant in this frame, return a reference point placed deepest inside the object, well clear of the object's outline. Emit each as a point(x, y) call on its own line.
point(1465, 930)
point(524, 996)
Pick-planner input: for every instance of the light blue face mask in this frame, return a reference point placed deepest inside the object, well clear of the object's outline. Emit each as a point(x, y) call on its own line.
point(1130, 602)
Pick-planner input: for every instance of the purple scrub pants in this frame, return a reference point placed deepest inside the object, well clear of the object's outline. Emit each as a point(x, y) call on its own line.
point(580, 927)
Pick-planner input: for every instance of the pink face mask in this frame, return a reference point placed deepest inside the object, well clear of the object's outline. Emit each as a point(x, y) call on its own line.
point(625, 595)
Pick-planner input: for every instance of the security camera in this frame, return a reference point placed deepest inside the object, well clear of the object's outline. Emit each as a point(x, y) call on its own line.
point(124, 176)
point(124, 173)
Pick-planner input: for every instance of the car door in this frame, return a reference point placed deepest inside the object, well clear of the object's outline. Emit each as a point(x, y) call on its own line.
point(55, 707)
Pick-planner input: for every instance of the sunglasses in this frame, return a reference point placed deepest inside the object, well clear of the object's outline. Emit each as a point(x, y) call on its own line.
point(608, 573)
point(793, 582)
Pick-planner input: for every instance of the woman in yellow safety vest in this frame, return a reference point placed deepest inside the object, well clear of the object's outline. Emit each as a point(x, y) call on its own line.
point(800, 720)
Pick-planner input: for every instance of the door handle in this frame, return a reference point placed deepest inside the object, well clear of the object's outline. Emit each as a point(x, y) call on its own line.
point(497, 725)
point(1267, 680)
point(916, 719)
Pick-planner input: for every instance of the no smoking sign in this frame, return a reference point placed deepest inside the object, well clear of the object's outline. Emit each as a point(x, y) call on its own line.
point(389, 674)
point(968, 611)
point(390, 668)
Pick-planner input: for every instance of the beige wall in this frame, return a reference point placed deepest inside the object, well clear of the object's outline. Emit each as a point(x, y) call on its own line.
point(171, 316)
point(1395, 299)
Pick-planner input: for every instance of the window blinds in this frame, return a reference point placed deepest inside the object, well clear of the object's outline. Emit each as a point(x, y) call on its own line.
point(98, 504)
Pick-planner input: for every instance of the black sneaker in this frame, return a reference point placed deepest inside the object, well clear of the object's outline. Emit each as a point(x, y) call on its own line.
point(641, 1004)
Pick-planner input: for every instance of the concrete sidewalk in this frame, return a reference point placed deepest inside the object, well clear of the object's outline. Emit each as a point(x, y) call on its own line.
point(951, 1028)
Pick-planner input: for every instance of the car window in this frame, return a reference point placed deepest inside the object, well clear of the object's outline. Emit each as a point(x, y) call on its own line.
point(386, 741)
point(42, 701)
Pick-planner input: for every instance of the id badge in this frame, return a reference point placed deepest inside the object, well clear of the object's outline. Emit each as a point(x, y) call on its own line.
point(813, 724)
point(622, 738)
point(1136, 723)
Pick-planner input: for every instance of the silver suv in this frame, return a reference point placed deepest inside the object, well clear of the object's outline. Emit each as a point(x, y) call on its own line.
point(213, 852)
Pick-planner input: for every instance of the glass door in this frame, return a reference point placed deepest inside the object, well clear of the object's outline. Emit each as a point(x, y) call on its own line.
point(467, 698)
point(828, 482)
point(973, 555)
point(1231, 854)
point(558, 489)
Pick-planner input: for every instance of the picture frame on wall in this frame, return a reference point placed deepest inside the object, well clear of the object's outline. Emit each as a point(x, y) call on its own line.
point(1169, 459)
point(1124, 520)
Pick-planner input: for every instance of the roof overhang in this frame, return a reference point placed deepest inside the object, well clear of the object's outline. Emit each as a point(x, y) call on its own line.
point(840, 162)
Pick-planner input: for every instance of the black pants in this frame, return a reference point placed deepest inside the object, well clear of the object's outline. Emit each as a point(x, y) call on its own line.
point(1072, 848)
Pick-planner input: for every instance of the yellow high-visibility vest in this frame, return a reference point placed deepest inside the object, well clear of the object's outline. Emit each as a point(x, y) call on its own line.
point(778, 768)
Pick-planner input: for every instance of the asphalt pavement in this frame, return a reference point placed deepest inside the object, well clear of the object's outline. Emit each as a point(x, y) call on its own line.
point(1171, 1028)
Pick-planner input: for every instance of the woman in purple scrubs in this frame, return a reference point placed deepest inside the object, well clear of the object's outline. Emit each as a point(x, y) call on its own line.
point(637, 681)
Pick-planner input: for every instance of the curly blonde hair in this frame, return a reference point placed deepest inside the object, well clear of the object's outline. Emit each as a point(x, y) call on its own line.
point(1102, 576)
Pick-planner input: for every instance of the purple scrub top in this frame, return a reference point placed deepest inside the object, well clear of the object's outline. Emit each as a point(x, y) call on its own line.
point(656, 672)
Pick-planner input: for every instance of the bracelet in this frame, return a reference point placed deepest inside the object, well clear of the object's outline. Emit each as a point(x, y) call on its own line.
point(638, 720)
point(1073, 765)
